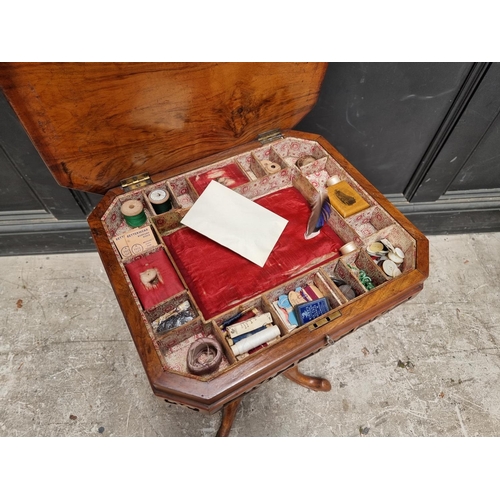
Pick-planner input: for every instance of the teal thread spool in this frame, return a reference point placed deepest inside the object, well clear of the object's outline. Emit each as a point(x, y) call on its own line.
point(160, 200)
point(133, 213)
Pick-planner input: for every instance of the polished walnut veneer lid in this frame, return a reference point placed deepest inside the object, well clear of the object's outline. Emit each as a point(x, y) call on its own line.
point(95, 124)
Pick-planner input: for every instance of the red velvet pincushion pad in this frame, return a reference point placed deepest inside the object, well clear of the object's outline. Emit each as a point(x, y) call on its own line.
point(220, 279)
point(165, 284)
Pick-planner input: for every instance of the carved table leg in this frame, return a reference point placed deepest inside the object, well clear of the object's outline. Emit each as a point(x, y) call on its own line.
point(228, 414)
point(314, 383)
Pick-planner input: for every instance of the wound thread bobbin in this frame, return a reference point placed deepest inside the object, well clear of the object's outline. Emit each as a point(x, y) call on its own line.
point(133, 213)
point(348, 248)
point(331, 181)
point(160, 200)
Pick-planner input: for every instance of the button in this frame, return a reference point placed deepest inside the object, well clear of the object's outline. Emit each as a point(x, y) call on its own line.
point(388, 244)
point(399, 253)
point(395, 257)
point(390, 268)
point(376, 247)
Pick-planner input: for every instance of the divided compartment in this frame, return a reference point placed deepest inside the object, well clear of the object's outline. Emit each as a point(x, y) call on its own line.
point(268, 184)
point(247, 161)
point(186, 188)
point(360, 260)
point(262, 158)
point(293, 149)
point(259, 306)
point(320, 171)
point(317, 173)
point(286, 315)
point(369, 221)
point(338, 224)
point(169, 221)
point(127, 241)
point(181, 192)
point(174, 347)
point(113, 220)
point(228, 172)
point(399, 238)
point(163, 185)
point(252, 181)
point(153, 277)
point(171, 314)
point(338, 270)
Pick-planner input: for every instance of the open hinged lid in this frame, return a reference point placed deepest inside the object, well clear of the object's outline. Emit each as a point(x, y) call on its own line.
point(95, 124)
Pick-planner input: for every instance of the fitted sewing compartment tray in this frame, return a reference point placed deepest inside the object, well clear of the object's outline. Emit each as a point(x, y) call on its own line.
point(98, 124)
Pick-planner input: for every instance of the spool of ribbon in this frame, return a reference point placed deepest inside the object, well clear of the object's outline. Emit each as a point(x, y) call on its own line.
point(133, 213)
point(256, 340)
point(160, 199)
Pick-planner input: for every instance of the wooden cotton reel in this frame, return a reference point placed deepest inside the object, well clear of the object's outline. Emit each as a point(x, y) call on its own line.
point(133, 213)
point(270, 167)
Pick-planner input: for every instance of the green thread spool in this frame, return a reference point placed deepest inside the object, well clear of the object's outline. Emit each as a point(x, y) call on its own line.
point(133, 213)
point(160, 200)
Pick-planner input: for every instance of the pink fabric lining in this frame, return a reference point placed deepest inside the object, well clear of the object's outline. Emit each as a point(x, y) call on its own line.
point(167, 286)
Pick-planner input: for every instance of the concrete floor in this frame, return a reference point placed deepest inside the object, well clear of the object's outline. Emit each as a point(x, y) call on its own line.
point(430, 367)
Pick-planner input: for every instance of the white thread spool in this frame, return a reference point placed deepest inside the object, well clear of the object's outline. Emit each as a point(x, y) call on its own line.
point(259, 338)
point(348, 248)
point(396, 256)
point(334, 179)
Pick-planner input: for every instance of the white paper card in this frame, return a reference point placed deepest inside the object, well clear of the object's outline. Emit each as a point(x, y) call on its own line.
point(235, 222)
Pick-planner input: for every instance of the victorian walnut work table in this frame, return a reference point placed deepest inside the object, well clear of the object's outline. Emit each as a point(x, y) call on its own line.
point(157, 140)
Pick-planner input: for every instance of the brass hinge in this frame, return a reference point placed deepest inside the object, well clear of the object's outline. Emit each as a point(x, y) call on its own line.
point(135, 182)
point(270, 136)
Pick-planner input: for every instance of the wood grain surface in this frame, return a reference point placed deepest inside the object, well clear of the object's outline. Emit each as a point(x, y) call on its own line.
point(97, 123)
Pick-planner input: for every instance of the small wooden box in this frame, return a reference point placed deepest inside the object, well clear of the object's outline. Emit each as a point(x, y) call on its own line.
point(98, 124)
